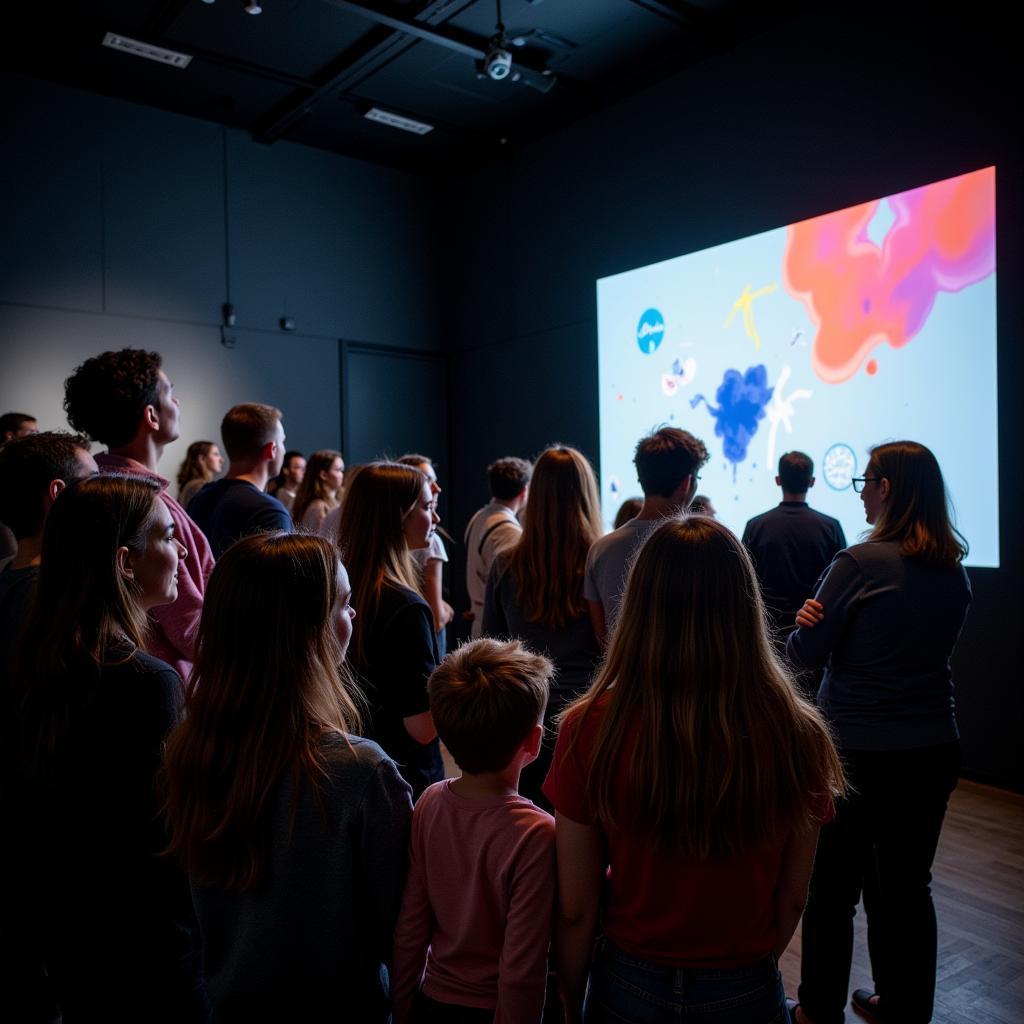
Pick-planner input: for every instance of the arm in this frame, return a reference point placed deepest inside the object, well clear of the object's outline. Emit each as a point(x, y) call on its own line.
point(412, 934)
point(380, 855)
point(420, 727)
point(494, 623)
point(835, 602)
point(597, 620)
point(791, 894)
point(581, 865)
point(439, 607)
point(522, 966)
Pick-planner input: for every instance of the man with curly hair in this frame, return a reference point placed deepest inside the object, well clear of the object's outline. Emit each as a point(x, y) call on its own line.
point(125, 401)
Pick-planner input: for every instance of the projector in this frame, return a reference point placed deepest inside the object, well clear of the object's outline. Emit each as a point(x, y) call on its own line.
point(497, 63)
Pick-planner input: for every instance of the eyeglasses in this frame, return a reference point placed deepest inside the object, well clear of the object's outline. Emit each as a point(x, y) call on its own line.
point(860, 482)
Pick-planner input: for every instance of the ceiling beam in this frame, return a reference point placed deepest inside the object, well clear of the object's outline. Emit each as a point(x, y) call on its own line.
point(377, 48)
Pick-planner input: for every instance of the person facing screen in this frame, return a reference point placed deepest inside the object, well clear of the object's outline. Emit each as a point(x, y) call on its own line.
point(883, 624)
point(689, 784)
point(109, 917)
point(292, 828)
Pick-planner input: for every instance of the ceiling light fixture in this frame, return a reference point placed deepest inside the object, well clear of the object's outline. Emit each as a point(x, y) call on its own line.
point(140, 49)
point(407, 124)
point(251, 7)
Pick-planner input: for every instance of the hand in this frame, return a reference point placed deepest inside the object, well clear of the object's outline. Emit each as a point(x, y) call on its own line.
point(811, 614)
point(447, 613)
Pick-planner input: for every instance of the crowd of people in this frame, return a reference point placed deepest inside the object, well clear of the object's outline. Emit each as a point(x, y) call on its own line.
point(224, 719)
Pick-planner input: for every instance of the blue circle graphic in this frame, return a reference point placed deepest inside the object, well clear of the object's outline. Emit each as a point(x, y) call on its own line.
point(650, 331)
point(840, 466)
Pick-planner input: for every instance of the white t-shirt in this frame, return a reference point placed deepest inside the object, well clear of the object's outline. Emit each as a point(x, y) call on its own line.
point(492, 530)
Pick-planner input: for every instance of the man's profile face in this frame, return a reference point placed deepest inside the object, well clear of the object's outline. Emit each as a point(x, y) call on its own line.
point(25, 428)
point(278, 438)
point(168, 410)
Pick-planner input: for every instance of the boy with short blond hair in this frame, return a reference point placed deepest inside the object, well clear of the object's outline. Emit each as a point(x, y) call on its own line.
point(472, 938)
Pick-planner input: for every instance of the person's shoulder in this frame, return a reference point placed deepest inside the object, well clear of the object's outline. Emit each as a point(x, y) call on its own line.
point(824, 518)
point(755, 522)
point(142, 678)
point(624, 535)
point(350, 757)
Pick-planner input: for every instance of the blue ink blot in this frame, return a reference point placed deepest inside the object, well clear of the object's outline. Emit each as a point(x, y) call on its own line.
point(649, 331)
point(741, 401)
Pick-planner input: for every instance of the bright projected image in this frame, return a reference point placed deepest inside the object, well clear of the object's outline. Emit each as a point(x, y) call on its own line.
point(869, 324)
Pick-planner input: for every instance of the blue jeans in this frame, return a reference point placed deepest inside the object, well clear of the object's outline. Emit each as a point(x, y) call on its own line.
point(625, 988)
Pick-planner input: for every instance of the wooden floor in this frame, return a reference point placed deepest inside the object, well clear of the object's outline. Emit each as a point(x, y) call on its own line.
point(979, 899)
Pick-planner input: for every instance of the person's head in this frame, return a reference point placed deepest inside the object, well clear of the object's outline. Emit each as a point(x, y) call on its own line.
point(425, 465)
point(905, 500)
point(667, 462)
point(564, 520)
point(702, 505)
point(509, 478)
point(117, 397)
point(322, 481)
point(253, 436)
point(203, 461)
point(389, 510)
point(17, 424)
point(796, 473)
point(34, 469)
point(260, 700)
point(109, 555)
point(725, 751)
point(629, 509)
point(293, 469)
point(487, 700)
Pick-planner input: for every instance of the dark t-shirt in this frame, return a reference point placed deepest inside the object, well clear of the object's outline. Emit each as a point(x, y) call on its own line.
point(886, 640)
point(574, 649)
point(228, 510)
point(399, 654)
point(791, 545)
point(17, 591)
point(318, 928)
point(95, 895)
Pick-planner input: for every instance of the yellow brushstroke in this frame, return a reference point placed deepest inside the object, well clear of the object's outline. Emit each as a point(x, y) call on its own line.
point(745, 304)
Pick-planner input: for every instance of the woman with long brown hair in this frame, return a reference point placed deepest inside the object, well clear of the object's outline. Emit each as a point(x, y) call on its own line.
point(389, 511)
point(292, 829)
point(111, 919)
point(689, 784)
point(203, 462)
point(535, 590)
point(320, 490)
point(883, 624)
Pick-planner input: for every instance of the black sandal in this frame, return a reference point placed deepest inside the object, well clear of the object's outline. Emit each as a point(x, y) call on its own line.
point(862, 1004)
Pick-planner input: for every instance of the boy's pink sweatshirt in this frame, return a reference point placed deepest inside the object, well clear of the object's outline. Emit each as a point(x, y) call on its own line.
point(476, 916)
point(173, 634)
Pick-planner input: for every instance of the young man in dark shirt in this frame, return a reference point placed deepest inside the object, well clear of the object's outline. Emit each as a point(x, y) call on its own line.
point(229, 509)
point(792, 544)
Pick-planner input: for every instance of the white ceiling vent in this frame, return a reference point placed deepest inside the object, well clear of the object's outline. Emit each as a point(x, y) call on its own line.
point(150, 52)
point(407, 124)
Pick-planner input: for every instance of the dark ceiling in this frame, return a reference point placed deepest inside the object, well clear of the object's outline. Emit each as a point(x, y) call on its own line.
point(308, 70)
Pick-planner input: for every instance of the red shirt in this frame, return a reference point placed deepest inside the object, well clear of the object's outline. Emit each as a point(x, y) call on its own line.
point(664, 908)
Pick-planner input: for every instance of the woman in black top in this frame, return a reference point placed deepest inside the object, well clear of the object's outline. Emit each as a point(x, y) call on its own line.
point(883, 624)
point(110, 917)
point(535, 591)
point(294, 831)
point(390, 510)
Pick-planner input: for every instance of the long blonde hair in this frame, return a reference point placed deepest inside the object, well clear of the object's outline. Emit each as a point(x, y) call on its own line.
point(259, 703)
point(562, 521)
point(916, 512)
point(702, 743)
point(371, 536)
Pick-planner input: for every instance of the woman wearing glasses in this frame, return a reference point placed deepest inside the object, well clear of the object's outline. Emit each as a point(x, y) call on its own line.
point(884, 623)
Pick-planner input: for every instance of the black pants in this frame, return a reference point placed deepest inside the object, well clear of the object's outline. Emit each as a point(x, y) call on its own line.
point(882, 842)
point(430, 1011)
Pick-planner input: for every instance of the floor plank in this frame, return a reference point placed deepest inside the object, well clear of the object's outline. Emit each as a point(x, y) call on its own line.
point(979, 899)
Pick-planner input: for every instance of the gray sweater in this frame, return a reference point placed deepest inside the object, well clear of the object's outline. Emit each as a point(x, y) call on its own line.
point(309, 944)
point(889, 629)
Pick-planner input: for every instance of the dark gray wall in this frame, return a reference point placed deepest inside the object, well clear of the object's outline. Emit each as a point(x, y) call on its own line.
point(124, 225)
point(835, 108)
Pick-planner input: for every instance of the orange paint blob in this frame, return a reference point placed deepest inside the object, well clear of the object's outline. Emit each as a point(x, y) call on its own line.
point(872, 367)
